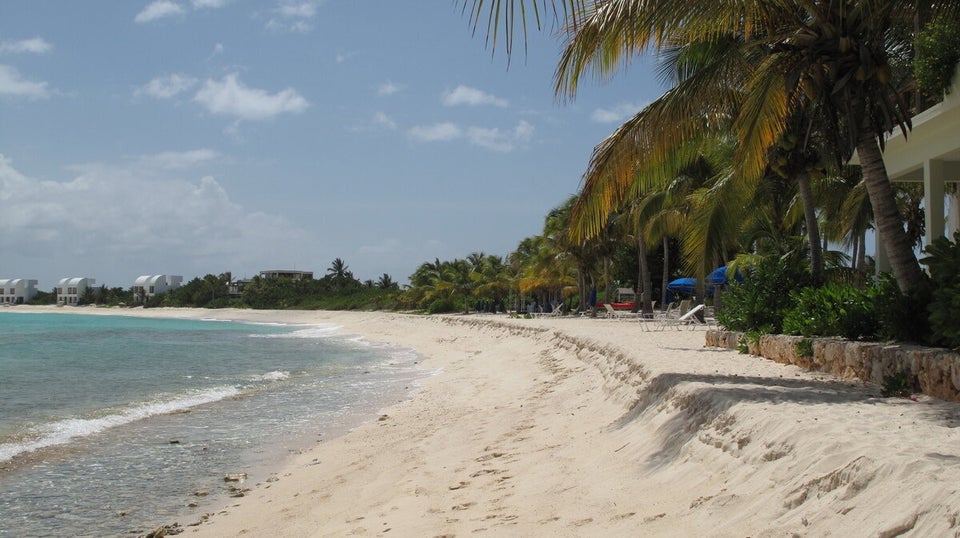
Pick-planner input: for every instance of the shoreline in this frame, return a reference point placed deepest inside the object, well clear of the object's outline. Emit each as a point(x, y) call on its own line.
point(585, 427)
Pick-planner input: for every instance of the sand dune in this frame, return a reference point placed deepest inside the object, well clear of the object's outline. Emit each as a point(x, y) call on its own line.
point(582, 427)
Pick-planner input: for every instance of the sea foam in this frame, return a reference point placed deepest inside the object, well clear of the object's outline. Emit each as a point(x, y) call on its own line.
point(63, 431)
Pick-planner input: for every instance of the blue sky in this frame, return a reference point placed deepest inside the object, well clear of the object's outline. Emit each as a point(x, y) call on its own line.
point(201, 136)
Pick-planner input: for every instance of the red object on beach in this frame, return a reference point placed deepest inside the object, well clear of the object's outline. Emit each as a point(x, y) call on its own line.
point(620, 306)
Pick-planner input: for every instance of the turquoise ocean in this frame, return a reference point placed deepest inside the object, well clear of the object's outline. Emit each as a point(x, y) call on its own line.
point(111, 425)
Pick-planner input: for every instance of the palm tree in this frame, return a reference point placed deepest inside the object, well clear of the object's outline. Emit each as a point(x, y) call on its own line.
point(385, 282)
point(339, 270)
point(832, 58)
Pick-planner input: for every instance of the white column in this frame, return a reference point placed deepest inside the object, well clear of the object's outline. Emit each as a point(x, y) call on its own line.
point(933, 179)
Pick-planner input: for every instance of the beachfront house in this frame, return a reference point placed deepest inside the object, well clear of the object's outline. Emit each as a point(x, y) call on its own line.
point(17, 290)
point(929, 154)
point(146, 286)
point(287, 273)
point(70, 289)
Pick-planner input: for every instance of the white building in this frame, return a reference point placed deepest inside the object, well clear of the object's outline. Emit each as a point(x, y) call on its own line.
point(146, 286)
point(69, 290)
point(17, 290)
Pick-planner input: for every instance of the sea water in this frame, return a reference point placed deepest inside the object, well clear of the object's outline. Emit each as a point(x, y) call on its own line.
point(113, 425)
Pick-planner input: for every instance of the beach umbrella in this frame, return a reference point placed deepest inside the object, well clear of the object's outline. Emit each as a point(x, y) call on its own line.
point(683, 285)
point(718, 277)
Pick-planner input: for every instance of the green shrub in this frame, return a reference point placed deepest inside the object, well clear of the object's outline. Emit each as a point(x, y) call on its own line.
point(442, 306)
point(944, 305)
point(899, 384)
point(902, 317)
point(804, 348)
point(937, 54)
point(762, 299)
point(834, 310)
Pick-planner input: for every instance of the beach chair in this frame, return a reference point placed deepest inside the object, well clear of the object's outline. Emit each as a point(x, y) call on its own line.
point(616, 314)
point(688, 318)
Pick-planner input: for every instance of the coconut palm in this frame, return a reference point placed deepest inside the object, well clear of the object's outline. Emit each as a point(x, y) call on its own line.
point(829, 57)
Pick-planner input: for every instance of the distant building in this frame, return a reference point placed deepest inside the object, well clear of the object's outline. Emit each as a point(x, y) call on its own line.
point(146, 286)
point(235, 289)
point(69, 290)
point(287, 273)
point(17, 290)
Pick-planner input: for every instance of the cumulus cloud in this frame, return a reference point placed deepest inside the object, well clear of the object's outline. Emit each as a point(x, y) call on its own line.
point(201, 4)
point(616, 114)
point(388, 88)
point(502, 141)
point(438, 132)
point(167, 86)
point(230, 97)
point(173, 160)
point(13, 84)
point(149, 211)
point(383, 120)
point(34, 45)
point(494, 139)
point(159, 9)
point(465, 95)
point(293, 16)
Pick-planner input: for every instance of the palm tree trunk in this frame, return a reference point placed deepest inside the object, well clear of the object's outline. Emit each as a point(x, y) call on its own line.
point(903, 261)
point(813, 227)
point(644, 276)
point(666, 273)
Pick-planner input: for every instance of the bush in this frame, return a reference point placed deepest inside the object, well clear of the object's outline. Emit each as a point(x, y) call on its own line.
point(943, 307)
point(902, 317)
point(937, 54)
point(761, 301)
point(834, 310)
point(442, 306)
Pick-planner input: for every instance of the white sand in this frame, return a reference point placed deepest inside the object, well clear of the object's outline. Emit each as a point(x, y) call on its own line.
point(585, 427)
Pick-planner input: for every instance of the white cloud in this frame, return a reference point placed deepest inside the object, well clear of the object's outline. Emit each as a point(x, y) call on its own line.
point(293, 16)
point(143, 213)
point(439, 132)
point(167, 86)
point(497, 140)
point(35, 45)
point(342, 57)
point(383, 120)
point(485, 137)
point(200, 4)
point(617, 114)
point(174, 160)
point(158, 10)
point(388, 88)
point(465, 95)
point(229, 97)
point(11, 83)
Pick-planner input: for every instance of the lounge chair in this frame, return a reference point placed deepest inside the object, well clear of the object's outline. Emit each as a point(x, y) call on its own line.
point(617, 314)
point(688, 318)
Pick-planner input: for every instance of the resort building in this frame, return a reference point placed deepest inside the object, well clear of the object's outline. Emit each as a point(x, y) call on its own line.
point(146, 286)
point(929, 154)
point(69, 290)
point(287, 273)
point(17, 290)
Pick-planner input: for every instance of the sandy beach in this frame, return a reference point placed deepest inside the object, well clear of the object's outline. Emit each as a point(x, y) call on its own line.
point(591, 427)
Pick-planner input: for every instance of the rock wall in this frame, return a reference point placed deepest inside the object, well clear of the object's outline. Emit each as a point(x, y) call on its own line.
point(934, 371)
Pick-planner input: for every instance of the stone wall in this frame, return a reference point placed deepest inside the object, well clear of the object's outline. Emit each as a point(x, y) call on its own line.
point(935, 371)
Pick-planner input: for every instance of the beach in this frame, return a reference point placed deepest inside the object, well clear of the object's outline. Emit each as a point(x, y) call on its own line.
point(589, 427)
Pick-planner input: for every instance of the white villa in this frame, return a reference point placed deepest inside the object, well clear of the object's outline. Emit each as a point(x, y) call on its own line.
point(287, 273)
point(17, 290)
point(930, 153)
point(70, 289)
point(146, 286)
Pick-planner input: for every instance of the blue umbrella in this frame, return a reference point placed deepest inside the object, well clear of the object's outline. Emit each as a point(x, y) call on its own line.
point(683, 285)
point(718, 276)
